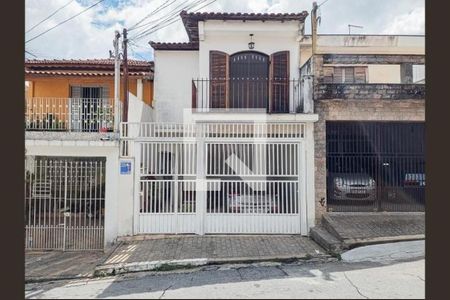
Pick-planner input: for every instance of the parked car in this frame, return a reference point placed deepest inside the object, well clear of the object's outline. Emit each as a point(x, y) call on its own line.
point(414, 180)
point(352, 186)
point(252, 204)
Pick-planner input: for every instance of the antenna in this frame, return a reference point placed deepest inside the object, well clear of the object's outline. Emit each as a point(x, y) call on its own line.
point(354, 26)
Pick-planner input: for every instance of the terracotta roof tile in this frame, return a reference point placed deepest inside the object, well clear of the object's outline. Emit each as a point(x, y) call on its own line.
point(190, 20)
point(79, 62)
point(84, 74)
point(175, 46)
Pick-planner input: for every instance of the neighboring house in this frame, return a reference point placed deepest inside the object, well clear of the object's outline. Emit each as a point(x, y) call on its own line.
point(369, 93)
point(72, 149)
point(78, 95)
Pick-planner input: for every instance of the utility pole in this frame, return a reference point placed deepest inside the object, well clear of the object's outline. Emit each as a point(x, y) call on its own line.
point(314, 27)
point(125, 77)
point(116, 81)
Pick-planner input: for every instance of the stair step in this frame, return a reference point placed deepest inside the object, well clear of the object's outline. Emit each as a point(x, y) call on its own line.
point(325, 239)
point(327, 223)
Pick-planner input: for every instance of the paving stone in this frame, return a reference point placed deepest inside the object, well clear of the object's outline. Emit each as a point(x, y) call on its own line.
point(375, 225)
point(215, 247)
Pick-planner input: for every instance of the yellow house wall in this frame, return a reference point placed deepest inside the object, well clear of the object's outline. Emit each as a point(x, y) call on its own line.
point(60, 87)
point(54, 87)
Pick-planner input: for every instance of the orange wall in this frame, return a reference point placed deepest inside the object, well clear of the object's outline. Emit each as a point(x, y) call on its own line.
point(60, 86)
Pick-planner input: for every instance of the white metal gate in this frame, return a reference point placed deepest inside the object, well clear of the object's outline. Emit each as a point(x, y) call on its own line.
point(241, 178)
point(64, 203)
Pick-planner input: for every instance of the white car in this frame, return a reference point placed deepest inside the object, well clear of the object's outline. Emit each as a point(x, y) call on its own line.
point(252, 204)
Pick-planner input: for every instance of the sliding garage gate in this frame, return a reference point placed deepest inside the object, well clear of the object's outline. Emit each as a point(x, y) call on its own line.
point(375, 166)
point(64, 203)
point(220, 178)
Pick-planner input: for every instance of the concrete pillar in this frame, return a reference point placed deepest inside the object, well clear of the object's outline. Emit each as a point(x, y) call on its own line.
point(140, 89)
point(406, 73)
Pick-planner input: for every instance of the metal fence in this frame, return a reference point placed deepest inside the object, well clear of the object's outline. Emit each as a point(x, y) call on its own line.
point(64, 203)
point(375, 166)
point(278, 95)
point(218, 177)
point(70, 114)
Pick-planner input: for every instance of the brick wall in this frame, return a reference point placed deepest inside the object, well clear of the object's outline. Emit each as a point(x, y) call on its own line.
point(370, 91)
point(355, 110)
point(372, 59)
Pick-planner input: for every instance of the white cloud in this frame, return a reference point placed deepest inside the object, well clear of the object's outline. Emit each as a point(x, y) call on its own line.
point(412, 22)
point(90, 34)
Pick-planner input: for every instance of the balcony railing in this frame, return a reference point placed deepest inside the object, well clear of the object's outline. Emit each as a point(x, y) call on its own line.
point(370, 91)
point(70, 114)
point(276, 95)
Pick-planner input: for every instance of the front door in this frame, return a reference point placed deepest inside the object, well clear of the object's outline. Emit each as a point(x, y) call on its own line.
point(249, 84)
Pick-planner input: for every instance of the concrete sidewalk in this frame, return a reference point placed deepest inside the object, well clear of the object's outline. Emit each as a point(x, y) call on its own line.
point(57, 265)
point(340, 231)
point(170, 252)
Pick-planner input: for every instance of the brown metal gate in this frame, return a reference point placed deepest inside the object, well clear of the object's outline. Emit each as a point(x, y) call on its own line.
point(64, 203)
point(375, 166)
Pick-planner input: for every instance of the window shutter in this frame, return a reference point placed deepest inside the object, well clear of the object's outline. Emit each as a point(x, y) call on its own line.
point(279, 76)
point(349, 75)
point(328, 74)
point(337, 75)
point(218, 73)
point(360, 74)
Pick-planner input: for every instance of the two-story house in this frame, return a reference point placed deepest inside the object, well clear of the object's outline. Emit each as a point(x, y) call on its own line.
point(72, 122)
point(231, 147)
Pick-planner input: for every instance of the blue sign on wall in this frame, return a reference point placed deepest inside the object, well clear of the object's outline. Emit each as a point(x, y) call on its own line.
point(125, 167)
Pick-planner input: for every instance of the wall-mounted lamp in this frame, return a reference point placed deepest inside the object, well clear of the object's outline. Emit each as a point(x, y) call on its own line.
point(251, 45)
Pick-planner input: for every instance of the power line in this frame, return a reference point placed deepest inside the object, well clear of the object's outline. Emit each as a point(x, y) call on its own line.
point(135, 53)
point(28, 52)
point(173, 20)
point(65, 21)
point(170, 19)
point(167, 17)
point(51, 15)
point(162, 6)
point(164, 16)
point(322, 3)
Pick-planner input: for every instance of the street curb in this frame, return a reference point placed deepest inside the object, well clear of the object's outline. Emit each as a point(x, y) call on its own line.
point(353, 243)
point(170, 265)
point(57, 278)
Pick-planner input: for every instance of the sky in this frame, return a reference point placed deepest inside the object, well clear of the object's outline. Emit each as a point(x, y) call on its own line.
point(90, 34)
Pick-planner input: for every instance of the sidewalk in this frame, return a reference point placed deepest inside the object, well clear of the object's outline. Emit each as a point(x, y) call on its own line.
point(170, 252)
point(57, 265)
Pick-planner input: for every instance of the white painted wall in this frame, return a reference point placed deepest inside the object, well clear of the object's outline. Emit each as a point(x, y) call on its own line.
point(138, 110)
point(233, 36)
point(174, 71)
point(365, 44)
point(384, 73)
point(419, 73)
point(112, 220)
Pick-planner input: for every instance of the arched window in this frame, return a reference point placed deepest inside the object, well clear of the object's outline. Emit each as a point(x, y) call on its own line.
point(250, 79)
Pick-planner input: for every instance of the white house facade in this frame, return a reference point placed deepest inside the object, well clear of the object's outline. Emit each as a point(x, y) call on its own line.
point(230, 149)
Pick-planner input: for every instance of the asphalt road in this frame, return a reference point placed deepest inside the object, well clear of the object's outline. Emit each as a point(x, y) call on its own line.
point(382, 271)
